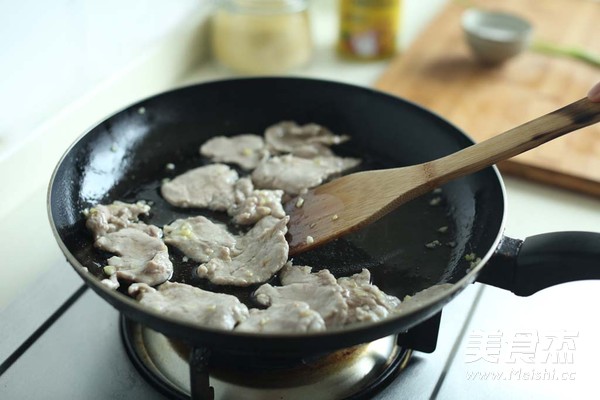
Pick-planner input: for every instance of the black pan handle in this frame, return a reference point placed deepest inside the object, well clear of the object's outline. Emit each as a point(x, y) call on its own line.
point(527, 266)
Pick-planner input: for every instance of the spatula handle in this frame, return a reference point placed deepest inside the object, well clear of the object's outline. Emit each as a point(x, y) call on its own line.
point(515, 141)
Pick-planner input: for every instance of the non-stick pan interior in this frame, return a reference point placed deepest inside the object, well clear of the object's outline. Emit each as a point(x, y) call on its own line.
point(125, 158)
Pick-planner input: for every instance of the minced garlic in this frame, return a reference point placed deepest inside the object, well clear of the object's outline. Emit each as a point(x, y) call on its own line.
point(109, 270)
point(433, 244)
point(436, 201)
point(470, 257)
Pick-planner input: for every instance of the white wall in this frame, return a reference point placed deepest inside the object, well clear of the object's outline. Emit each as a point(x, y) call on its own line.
point(53, 52)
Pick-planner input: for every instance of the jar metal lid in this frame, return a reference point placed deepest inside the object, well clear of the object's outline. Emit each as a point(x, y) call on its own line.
point(262, 6)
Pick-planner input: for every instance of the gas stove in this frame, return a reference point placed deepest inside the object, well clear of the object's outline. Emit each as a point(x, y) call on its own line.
point(177, 370)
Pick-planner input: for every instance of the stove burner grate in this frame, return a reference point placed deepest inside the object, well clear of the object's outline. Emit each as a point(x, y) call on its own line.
point(349, 374)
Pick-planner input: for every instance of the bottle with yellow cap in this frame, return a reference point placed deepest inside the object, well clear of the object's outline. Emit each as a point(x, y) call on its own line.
point(369, 28)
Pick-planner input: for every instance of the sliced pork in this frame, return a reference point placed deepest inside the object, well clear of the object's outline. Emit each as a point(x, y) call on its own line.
point(291, 274)
point(293, 317)
point(199, 238)
point(111, 282)
point(102, 219)
point(366, 302)
point(306, 141)
point(335, 165)
point(244, 150)
point(190, 304)
point(139, 256)
point(294, 174)
point(320, 291)
point(257, 256)
point(418, 299)
point(251, 205)
point(210, 186)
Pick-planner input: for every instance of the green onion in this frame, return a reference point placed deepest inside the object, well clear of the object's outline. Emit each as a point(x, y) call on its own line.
point(577, 53)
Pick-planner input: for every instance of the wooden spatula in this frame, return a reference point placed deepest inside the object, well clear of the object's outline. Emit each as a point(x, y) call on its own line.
point(353, 201)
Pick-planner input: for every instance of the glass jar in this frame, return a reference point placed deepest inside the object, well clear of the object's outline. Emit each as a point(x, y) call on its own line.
point(261, 36)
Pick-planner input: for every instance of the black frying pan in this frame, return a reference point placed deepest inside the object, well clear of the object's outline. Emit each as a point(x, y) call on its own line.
point(124, 158)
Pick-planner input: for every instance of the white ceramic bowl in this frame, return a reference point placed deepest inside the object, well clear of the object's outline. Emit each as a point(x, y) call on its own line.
point(494, 37)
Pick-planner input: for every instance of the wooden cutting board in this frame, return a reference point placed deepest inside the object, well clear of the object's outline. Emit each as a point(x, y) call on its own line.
point(438, 72)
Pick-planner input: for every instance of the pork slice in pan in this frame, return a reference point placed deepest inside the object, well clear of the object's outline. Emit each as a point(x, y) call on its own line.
point(191, 304)
point(111, 282)
point(210, 186)
point(320, 291)
point(294, 174)
point(334, 164)
point(139, 256)
point(306, 141)
point(290, 317)
point(418, 299)
point(303, 274)
point(366, 302)
point(199, 238)
point(244, 150)
point(257, 256)
point(102, 219)
point(251, 204)
point(288, 173)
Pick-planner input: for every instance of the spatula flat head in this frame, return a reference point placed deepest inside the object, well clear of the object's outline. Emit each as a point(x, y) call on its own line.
point(347, 204)
point(315, 222)
point(332, 210)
